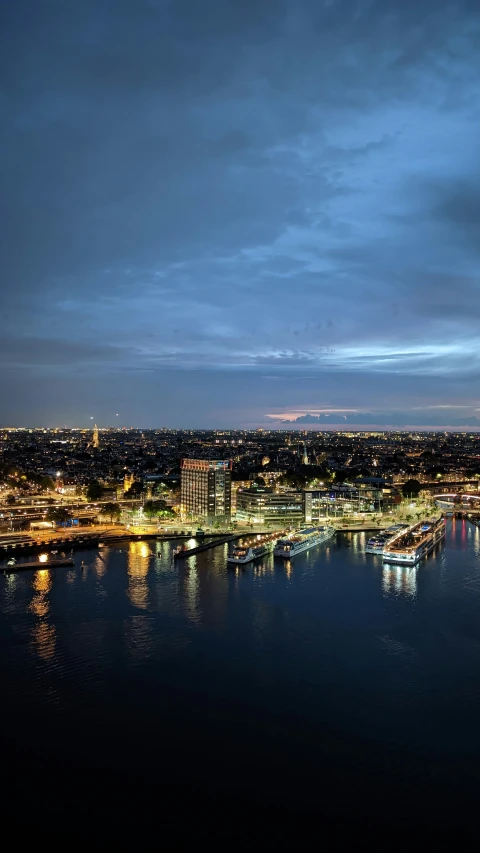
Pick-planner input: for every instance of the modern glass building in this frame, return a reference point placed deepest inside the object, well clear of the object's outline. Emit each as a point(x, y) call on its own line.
point(261, 505)
point(206, 489)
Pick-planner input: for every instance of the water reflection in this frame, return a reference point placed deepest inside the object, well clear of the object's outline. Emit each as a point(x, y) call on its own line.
point(163, 557)
point(138, 561)
point(9, 588)
point(398, 580)
point(45, 639)
point(43, 634)
point(42, 584)
point(192, 593)
point(99, 565)
point(261, 570)
point(359, 542)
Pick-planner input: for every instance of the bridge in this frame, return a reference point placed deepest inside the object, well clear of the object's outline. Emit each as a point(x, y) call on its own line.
point(457, 500)
point(456, 485)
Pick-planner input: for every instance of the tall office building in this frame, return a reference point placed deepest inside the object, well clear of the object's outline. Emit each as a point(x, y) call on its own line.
point(206, 489)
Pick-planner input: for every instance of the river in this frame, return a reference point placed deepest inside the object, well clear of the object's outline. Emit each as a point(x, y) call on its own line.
point(330, 685)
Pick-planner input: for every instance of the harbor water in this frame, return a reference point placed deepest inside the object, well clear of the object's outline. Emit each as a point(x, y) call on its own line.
point(331, 685)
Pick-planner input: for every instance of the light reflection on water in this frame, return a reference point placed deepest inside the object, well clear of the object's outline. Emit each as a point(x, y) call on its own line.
point(43, 633)
point(42, 584)
point(139, 554)
point(192, 588)
point(399, 580)
point(44, 639)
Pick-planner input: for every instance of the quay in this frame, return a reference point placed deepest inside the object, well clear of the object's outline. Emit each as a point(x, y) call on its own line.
point(91, 539)
point(38, 564)
point(181, 553)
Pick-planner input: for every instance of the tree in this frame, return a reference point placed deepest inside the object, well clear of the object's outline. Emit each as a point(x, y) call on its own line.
point(155, 509)
point(10, 500)
point(411, 489)
point(160, 488)
point(135, 490)
point(94, 491)
point(58, 515)
point(113, 510)
point(47, 484)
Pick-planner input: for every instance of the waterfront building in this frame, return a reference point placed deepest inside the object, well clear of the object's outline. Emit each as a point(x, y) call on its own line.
point(206, 489)
point(378, 493)
point(261, 505)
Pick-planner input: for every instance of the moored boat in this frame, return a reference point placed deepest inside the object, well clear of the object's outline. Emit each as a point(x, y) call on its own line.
point(411, 546)
point(303, 539)
point(379, 541)
point(242, 554)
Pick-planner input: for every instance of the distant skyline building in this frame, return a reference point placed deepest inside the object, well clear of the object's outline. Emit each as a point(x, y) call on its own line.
point(95, 438)
point(305, 459)
point(206, 489)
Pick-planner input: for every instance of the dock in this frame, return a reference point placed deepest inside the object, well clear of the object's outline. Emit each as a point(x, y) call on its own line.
point(38, 564)
point(181, 554)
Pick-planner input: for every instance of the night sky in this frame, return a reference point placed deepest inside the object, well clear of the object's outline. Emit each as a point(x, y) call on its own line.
point(236, 212)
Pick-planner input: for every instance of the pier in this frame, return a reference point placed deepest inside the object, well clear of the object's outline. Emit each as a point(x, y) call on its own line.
point(180, 554)
point(38, 564)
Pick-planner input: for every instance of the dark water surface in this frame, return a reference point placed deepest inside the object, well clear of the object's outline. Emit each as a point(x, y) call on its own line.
point(333, 685)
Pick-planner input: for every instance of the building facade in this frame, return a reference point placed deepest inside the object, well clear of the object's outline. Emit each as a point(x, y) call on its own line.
point(376, 492)
point(206, 489)
point(261, 505)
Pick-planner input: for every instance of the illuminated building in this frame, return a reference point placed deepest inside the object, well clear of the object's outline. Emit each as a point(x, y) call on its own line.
point(128, 481)
point(261, 505)
point(206, 489)
point(95, 438)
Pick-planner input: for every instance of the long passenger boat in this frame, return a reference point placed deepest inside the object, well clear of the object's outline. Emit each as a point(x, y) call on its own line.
point(247, 552)
point(414, 544)
point(303, 539)
point(379, 541)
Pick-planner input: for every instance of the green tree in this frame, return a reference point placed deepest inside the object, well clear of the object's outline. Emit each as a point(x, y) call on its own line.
point(153, 508)
point(112, 509)
point(47, 484)
point(160, 489)
point(411, 489)
point(135, 490)
point(94, 491)
point(58, 515)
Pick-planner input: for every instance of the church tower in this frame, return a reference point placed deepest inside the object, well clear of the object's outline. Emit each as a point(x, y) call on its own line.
point(95, 438)
point(305, 459)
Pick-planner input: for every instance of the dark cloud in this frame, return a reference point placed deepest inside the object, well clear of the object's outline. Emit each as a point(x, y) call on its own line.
point(236, 184)
point(392, 419)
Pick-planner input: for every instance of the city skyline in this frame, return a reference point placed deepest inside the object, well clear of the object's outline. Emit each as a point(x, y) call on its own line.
point(254, 215)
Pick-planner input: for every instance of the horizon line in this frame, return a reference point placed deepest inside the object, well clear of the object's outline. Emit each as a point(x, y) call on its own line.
point(294, 427)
